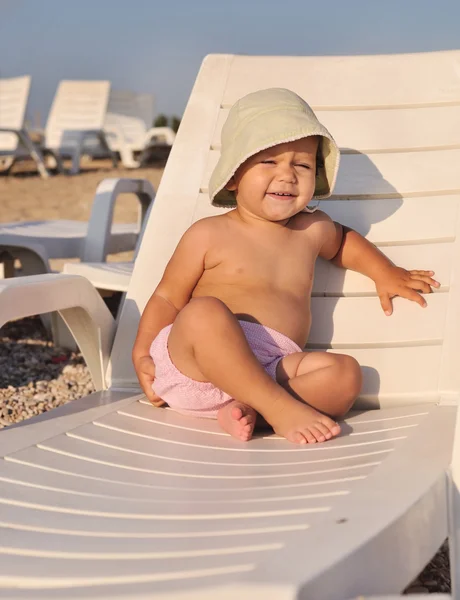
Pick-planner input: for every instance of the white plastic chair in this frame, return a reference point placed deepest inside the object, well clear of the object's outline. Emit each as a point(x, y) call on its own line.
point(89, 241)
point(128, 126)
point(34, 243)
point(14, 137)
point(77, 113)
point(109, 497)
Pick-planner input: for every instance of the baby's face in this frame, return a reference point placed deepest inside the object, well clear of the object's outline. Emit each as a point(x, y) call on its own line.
point(279, 182)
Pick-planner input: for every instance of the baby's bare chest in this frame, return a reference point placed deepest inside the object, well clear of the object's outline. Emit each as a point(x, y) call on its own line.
point(283, 263)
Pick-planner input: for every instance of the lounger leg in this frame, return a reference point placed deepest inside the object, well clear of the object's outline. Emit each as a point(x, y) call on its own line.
point(34, 153)
point(127, 157)
point(34, 264)
point(7, 264)
point(113, 155)
point(59, 162)
point(76, 156)
point(6, 162)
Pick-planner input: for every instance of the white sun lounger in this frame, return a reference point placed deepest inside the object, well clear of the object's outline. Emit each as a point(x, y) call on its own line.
point(128, 126)
point(113, 276)
point(14, 137)
point(108, 497)
point(77, 113)
point(35, 242)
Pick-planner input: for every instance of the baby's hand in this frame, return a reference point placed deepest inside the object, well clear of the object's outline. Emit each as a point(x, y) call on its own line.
point(145, 371)
point(395, 281)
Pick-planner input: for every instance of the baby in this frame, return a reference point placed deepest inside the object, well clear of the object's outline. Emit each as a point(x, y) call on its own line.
point(231, 315)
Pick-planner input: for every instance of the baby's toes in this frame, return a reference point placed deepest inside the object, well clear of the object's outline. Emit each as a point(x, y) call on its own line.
point(324, 430)
point(250, 418)
point(236, 413)
point(333, 427)
point(309, 436)
point(320, 437)
point(296, 437)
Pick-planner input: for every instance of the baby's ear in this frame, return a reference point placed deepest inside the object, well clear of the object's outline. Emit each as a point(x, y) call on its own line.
point(231, 185)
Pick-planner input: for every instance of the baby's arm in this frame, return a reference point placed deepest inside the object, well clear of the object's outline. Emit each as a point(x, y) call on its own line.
point(171, 295)
point(348, 249)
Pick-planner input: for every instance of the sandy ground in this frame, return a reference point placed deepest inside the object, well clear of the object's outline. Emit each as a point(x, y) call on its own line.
point(24, 196)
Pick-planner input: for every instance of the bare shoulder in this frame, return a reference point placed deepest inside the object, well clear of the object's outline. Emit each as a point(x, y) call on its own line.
point(322, 231)
point(317, 222)
point(209, 225)
point(208, 231)
point(201, 233)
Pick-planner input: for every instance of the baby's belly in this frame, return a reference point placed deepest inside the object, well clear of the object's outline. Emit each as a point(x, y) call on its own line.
point(286, 312)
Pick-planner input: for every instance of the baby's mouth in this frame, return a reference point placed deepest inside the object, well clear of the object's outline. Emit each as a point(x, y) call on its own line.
point(281, 195)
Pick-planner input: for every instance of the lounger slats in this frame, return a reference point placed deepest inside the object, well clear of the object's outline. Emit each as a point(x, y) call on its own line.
point(174, 474)
point(14, 93)
point(351, 82)
point(333, 281)
point(69, 529)
point(101, 548)
point(26, 517)
point(393, 174)
point(332, 322)
point(31, 474)
point(77, 106)
point(370, 131)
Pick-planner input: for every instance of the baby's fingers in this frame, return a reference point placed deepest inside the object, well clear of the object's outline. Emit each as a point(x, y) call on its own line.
point(385, 302)
point(425, 277)
point(410, 294)
point(420, 285)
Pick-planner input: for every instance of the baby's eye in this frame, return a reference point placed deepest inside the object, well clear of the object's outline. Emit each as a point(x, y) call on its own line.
point(303, 165)
point(268, 161)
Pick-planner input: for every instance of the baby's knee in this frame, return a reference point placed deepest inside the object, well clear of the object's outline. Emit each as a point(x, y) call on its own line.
point(351, 380)
point(203, 311)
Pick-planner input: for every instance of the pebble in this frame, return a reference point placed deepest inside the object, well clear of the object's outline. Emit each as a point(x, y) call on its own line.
point(35, 377)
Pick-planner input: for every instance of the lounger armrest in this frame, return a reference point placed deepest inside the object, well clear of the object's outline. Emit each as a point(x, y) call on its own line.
point(100, 223)
point(165, 132)
point(78, 303)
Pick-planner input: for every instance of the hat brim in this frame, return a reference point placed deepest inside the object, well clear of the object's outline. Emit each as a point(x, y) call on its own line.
point(284, 127)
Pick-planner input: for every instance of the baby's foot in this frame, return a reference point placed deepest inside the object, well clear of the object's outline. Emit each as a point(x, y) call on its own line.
point(238, 420)
point(302, 424)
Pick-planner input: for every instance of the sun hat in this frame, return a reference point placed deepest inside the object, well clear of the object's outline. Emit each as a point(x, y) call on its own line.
point(264, 119)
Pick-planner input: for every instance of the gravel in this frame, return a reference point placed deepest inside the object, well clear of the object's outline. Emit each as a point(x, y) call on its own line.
point(35, 376)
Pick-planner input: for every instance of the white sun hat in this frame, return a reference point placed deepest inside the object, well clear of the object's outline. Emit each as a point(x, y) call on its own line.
point(262, 120)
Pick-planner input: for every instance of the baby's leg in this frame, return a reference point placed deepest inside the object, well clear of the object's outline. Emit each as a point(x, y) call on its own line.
point(326, 381)
point(207, 343)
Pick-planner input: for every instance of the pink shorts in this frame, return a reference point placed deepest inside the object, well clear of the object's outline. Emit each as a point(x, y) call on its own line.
point(203, 399)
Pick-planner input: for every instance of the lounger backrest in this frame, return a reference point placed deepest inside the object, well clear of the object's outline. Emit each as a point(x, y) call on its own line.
point(14, 93)
point(131, 114)
point(396, 119)
point(77, 106)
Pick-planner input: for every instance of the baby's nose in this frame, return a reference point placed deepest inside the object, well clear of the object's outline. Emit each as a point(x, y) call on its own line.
point(286, 173)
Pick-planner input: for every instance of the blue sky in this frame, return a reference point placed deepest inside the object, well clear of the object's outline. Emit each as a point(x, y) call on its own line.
point(157, 46)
